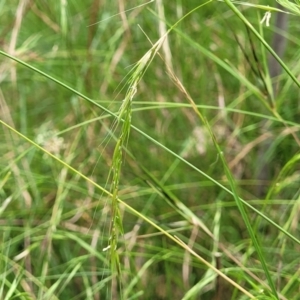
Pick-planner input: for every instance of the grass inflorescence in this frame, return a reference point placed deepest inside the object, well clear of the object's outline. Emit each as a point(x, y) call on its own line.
point(147, 151)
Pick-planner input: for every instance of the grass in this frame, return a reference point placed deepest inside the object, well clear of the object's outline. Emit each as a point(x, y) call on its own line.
point(132, 150)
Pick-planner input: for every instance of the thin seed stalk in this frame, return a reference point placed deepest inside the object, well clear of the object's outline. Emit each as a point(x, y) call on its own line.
point(116, 227)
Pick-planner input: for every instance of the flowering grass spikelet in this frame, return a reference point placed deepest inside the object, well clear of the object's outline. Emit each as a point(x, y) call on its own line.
point(124, 116)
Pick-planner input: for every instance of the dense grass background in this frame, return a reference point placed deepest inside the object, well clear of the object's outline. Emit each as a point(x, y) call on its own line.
point(205, 128)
